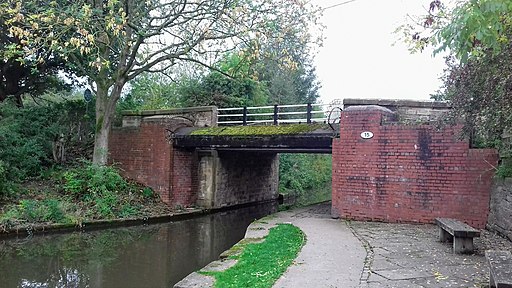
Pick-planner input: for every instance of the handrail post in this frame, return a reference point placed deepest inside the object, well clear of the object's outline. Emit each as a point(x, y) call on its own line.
point(276, 110)
point(244, 119)
point(308, 114)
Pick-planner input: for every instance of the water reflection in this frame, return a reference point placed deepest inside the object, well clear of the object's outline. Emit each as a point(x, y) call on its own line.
point(151, 256)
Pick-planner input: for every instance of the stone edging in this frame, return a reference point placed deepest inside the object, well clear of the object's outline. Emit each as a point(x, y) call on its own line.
point(255, 233)
point(100, 224)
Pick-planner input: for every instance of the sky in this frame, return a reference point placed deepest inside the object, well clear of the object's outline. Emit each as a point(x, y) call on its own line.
point(358, 58)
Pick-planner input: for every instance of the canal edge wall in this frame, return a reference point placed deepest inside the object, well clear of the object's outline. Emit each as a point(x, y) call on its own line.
point(255, 233)
point(93, 225)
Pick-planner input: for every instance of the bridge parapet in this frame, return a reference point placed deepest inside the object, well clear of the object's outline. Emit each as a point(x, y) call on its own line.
point(391, 171)
point(194, 116)
point(407, 111)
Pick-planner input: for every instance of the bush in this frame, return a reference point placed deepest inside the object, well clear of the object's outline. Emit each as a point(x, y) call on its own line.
point(505, 168)
point(49, 210)
point(107, 192)
point(93, 179)
point(29, 135)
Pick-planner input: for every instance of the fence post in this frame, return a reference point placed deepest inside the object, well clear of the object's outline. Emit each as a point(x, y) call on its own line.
point(276, 110)
point(308, 114)
point(244, 119)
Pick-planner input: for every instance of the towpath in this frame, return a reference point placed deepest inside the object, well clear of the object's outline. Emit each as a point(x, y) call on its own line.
point(349, 254)
point(370, 254)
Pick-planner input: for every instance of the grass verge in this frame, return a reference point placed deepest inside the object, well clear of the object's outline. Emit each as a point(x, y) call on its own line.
point(261, 264)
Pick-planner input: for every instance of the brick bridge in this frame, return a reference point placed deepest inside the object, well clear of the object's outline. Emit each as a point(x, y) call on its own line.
point(406, 170)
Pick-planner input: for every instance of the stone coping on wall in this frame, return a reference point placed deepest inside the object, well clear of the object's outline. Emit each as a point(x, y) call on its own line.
point(397, 103)
point(168, 111)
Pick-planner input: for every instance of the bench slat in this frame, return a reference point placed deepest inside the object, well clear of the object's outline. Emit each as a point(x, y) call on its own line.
point(500, 266)
point(457, 228)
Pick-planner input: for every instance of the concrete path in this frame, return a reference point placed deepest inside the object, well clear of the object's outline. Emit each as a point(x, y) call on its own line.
point(332, 255)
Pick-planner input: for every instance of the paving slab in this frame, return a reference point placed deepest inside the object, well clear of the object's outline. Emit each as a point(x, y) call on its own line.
point(408, 255)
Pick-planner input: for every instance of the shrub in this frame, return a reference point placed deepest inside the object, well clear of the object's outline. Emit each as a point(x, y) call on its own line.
point(90, 178)
point(107, 192)
point(49, 210)
point(28, 136)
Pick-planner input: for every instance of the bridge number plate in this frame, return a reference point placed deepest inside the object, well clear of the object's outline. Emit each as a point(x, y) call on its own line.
point(366, 135)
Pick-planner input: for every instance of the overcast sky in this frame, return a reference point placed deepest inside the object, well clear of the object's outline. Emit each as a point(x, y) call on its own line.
point(358, 59)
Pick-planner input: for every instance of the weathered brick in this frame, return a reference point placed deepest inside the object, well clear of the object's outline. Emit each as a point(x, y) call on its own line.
point(408, 173)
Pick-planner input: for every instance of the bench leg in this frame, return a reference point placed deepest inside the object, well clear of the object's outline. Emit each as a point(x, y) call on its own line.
point(462, 245)
point(444, 236)
point(491, 280)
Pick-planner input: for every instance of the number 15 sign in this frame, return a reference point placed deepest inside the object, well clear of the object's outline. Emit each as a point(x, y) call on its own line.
point(366, 135)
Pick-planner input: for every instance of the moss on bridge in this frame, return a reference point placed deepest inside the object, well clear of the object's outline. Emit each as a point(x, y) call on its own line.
point(290, 129)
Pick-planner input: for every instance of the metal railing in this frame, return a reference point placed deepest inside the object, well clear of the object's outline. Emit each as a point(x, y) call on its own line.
point(276, 114)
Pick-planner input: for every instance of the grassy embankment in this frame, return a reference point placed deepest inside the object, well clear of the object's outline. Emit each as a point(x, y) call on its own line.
point(77, 195)
point(261, 264)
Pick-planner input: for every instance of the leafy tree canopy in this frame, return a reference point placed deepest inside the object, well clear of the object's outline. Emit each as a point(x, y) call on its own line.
point(478, 80)
point(111, 42)
point(467, 28)
point(17, 79)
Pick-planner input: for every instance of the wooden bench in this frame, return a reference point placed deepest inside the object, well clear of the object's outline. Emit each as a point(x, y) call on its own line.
point(461, 234)
point(500, 268)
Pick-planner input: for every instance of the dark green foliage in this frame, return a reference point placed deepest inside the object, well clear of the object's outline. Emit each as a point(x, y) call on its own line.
point(90, 179)
point(105, 191)
point(306, 176)
point(505, 169)
point(28, 136)
point(18, 80)
point(481, 97)
point(89, 192)
point(261, 264)
point(478, 79)
point(49, 210)
point(147, 192)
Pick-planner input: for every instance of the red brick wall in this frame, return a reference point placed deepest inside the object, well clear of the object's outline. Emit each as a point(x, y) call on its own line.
point(145, 155)
point(408, 173)
point(184, 182)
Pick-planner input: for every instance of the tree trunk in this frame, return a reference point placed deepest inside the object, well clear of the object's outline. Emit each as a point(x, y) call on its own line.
point(102, 129)
point(105, 110)
point(100, 155)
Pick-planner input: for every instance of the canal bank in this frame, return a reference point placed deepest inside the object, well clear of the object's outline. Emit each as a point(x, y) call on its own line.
point(157, 255)
point(32, 229)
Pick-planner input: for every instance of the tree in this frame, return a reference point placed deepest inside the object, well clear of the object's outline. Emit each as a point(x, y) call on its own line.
point(468, 28)
point(113, 41)
point(478, 81)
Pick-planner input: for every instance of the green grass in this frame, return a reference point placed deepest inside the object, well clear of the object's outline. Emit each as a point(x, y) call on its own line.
point(261, 264)
point(258, 130)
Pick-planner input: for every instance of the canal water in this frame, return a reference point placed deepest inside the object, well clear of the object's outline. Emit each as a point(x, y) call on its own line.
point(156, 255)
